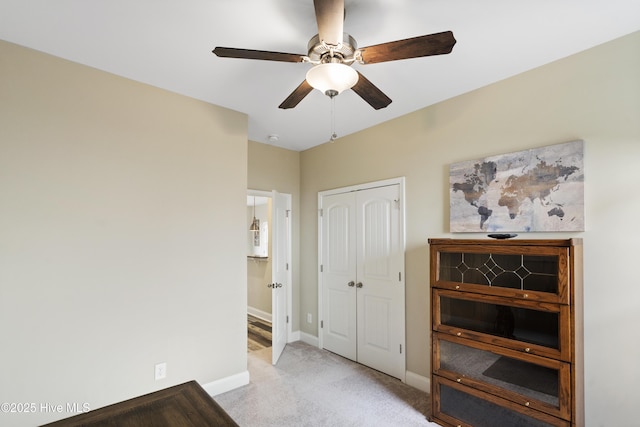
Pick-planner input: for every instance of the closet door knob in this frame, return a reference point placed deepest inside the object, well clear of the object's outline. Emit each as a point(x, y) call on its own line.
point(359, 285)
point(351, 284)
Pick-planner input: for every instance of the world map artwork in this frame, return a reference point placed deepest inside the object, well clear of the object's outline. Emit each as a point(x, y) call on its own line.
point(540, 189)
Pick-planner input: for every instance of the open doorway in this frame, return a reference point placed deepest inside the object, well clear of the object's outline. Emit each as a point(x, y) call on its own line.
point(259, 268)
point(268, 271)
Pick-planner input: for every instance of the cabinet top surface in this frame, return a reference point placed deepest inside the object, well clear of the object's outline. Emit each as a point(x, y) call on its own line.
point(508, 242)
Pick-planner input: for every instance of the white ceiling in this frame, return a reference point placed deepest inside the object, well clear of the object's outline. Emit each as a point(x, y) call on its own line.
point(168, 43)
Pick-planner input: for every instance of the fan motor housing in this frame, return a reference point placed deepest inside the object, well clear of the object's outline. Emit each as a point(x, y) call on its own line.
point(320, 52)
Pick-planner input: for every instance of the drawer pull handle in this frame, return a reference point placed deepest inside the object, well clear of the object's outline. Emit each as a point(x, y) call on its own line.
point(527, 349)
point(457, 286)
point(459, 333)
point(526, 295)
point(526, 404)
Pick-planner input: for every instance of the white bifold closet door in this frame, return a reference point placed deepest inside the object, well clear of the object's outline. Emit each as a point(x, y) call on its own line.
point(363, 307)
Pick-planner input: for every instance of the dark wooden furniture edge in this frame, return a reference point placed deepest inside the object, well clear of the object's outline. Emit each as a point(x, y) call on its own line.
point(183, 405)
point(508, 242)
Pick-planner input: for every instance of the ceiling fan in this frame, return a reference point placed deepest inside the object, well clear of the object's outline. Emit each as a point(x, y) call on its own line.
point(333, 52)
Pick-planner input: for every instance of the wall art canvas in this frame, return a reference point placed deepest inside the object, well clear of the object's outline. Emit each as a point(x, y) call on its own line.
point(541, 189)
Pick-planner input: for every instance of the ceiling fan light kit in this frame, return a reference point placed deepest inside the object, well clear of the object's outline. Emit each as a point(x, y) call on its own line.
point(332, 78)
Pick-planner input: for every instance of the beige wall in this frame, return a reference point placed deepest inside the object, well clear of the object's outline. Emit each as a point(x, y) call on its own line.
point(121, 207)
point(594, 96)
point(273, 168)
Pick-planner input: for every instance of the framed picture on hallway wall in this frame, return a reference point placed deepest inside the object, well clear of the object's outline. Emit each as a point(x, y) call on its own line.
point(540, 189)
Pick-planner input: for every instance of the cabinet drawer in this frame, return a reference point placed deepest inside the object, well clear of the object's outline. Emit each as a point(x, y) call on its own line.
point(534, 328)
point(536, 382)
point(458, 405)
point(526, 272)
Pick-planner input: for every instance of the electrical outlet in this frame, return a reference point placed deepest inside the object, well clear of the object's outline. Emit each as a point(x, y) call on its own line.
point(161, 371)
point(309, 318)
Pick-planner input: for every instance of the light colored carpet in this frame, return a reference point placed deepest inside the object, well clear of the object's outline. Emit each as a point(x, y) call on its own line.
point(314, 387)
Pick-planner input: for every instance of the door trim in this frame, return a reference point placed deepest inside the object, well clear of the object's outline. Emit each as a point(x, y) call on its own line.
point(400, 181)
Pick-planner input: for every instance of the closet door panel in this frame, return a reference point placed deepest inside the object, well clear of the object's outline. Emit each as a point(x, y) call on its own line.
point(339, 275)
point(380, 293)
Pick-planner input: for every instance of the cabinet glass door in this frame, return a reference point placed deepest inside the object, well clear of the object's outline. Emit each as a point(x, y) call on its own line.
point(537, 276)
point(458, 404)
point(538, 330)
point(527, 380)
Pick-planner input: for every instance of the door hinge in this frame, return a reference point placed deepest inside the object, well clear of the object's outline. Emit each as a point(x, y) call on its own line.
point(322, 324)
point(287, 318)
point(287, 266)
point(400, 348)
point(399, 276)
point(320, 210)
point(321, 268)
point(287, 212)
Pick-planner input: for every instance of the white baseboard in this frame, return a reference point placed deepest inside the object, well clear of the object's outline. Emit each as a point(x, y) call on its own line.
point(259, 314)
point(309, 339)
point(418, 381)
point(226, 384)
point(293, 336)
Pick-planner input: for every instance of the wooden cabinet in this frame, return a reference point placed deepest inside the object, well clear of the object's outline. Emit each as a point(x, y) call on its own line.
point(506, 332)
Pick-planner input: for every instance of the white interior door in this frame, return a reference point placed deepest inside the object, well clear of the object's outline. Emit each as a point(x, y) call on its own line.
point(380, 287)
point(339, 274)
point(280, 250)
point(362, 277)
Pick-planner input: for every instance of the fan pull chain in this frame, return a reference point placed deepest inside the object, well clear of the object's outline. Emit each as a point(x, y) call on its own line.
point(334, 136)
